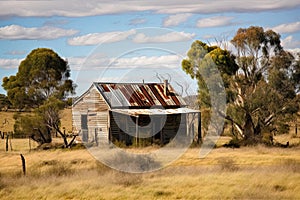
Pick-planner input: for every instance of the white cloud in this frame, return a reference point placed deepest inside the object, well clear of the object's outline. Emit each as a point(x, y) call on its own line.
point(16, 32)
point(170, 61)
point(102, 62)
point(97, 38)
point(214, 21)
point(78, 8)
point(290, 43)
point(287, 28)
point(126, 69)
point(137, 21)
point(16, 52)
point(169, 37)
point(10, 63)
point(174, 20)
point(93, 62)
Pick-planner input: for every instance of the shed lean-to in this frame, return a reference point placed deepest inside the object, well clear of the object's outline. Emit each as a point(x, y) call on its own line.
point(128, 111)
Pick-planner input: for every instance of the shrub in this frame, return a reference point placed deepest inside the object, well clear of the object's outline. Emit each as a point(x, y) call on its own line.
point(60, 169)
point(162, 193)
point(132, 162)
point(292, 165)
point(233, 143)
point(126, 179)
point(267, 139)
point(227, 164)
point(101, 168)
point(142, 142)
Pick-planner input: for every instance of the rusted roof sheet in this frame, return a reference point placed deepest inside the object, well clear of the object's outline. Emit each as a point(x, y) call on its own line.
point(139, 95)
point(137, 112)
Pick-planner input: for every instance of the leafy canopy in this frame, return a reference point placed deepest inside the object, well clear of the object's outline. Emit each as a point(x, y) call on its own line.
point(41, 75)
point(261, 81)
point(42, 83)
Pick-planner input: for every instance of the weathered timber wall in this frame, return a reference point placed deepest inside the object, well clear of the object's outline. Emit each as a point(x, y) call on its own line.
point(94, 106)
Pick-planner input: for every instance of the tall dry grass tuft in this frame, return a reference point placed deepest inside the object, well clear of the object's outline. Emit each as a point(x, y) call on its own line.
point(162, 194)
point(2, 184)
point(51, 167)
point(227, 164)
point(126, 179)
point(291, 165)
point(132, 162)
point(101, 168)
point(60, 169)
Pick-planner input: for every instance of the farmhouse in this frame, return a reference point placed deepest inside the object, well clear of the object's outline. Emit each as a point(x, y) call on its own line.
point(128, 112)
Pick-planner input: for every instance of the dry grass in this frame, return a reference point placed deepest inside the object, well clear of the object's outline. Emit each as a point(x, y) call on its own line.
point(66, 119)
point(7, 121)
point(245, 173)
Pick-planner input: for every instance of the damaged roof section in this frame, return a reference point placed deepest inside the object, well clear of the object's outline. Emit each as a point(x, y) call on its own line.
point(140, 95)
point(138, 112)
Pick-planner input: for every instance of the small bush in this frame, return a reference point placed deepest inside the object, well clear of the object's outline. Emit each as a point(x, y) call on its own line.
point(267, 139)
point(78, 146)
point(49, 162)
point(279, 188)
point(120, 144)
point(132, 162)
point(60, 169)
point(234, 143)
point(162, 193)
point(101, 168)
point(227, 164)
point(292, 165)
point(126, 179)
point(142, 142)
point(195, 144)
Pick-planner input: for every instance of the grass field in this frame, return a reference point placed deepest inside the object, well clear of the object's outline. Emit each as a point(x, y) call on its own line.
point(7, 121)
point(245, 173)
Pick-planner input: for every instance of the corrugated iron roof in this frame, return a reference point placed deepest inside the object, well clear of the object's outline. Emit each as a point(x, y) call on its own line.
point(137, 112)
point(140, 95)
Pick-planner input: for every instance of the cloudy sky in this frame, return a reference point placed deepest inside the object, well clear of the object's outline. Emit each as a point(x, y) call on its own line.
point(129, 40)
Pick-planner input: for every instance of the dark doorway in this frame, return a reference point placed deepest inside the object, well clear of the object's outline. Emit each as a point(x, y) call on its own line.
point(84, 128)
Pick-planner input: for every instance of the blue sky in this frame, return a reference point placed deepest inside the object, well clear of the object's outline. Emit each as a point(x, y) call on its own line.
point(131, 41)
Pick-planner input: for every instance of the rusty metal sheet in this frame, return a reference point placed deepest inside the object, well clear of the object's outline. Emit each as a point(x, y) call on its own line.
point(137, 112)
point(140, 95)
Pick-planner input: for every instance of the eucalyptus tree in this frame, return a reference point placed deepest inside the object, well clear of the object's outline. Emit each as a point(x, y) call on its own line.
point(42, 84)
point(261, 79)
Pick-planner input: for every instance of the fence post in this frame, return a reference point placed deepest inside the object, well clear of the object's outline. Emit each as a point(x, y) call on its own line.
point(10, 143)
point(23, 164)
point(6, 146)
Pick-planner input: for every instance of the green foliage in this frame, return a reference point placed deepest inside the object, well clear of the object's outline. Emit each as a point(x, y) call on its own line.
point(261, 82)
point(4, 102)
point(206, 63)
point(49, 112)
point(41, 84)
point(41, 75)
point(267, 138)
point(265, 87)
point(32, 126)
point(233, 143)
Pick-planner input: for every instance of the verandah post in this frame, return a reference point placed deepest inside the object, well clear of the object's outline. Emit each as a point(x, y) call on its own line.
point(199, 140)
